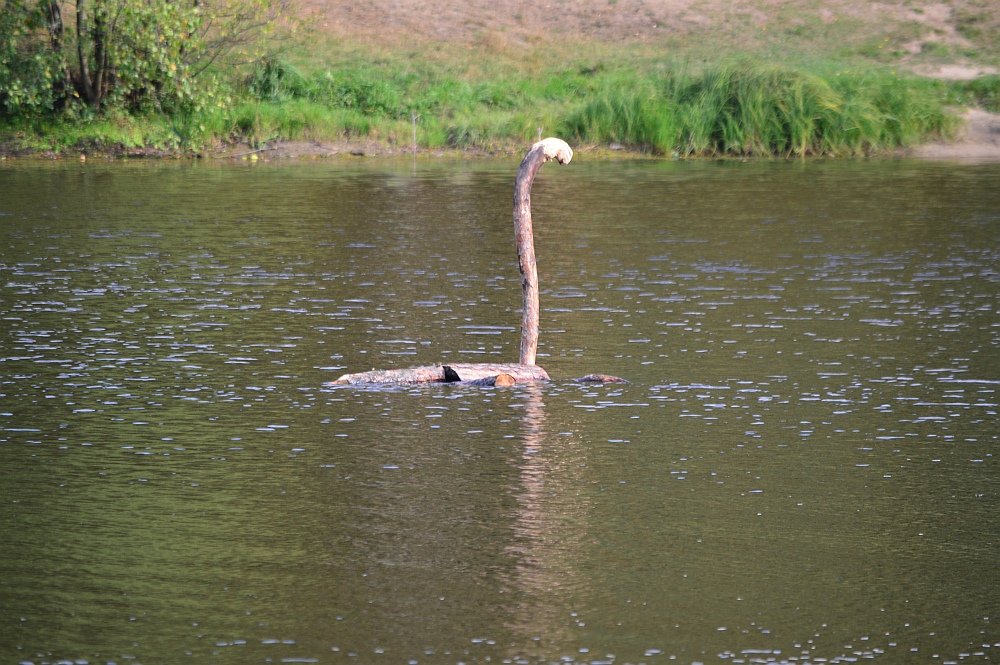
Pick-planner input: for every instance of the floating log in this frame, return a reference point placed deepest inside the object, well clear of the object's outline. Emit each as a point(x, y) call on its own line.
point(481, 373)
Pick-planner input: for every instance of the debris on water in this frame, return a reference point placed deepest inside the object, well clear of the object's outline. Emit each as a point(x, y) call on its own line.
point(600, 378)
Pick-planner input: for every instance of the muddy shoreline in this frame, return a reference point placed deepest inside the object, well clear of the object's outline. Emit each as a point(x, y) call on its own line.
point(977, 140)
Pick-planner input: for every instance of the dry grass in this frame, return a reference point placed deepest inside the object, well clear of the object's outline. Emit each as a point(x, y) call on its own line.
point(959, 38)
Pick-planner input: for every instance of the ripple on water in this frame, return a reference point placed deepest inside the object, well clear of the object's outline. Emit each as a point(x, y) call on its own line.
point(800, 469)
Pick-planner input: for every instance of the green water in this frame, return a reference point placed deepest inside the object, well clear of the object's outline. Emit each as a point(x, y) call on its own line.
point(801, 469)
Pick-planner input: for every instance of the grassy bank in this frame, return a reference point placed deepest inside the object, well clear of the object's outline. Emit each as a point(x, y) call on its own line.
point(750, 108)
point(743, 107)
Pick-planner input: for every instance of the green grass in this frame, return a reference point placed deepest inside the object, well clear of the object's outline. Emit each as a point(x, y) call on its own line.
point(744, 108)
point(740, 108)
point(753, 109)
point(117, 132)
point(983, 92)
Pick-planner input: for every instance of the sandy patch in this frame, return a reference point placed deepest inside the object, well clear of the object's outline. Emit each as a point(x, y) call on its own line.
point(954, 71)
point(978, 141)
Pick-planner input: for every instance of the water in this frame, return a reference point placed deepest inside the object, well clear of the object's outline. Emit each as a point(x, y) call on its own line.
point(802, 469)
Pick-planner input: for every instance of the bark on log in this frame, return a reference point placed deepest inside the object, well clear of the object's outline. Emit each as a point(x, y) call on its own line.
point(499, 381)
point(466, 372)
point(541, 152)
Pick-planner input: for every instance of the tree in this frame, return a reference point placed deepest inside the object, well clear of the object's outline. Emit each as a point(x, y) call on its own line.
point(122, 53)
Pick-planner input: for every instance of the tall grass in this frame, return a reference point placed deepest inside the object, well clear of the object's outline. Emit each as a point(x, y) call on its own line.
point(750, 108)
point(372, 101)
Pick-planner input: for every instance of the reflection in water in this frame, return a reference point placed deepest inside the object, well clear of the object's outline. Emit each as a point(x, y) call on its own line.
point(802, 469)
point(544, 541)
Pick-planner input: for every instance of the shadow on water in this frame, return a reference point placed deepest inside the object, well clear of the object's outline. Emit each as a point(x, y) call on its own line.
point(802, 468)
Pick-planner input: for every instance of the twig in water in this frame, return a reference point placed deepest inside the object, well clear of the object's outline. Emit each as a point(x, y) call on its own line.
point(252, 152)
point(413, 117)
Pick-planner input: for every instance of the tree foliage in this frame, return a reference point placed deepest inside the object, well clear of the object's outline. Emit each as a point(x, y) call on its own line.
point(91, 55)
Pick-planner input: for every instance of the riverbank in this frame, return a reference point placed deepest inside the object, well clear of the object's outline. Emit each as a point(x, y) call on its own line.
point(631, 78)
point(736, 109)
point(977, 139)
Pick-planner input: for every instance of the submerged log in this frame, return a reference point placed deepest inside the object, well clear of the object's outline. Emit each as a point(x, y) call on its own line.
point(600, 378)
point(479, 373)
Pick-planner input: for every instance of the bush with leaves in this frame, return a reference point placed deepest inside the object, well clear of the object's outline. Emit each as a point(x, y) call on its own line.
point(123, 54)
point(28, 65)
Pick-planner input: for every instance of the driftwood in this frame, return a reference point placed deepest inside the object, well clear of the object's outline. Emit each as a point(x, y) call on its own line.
point(524, 237)
point(502, 374)
point(252, 152)
point(476, 374)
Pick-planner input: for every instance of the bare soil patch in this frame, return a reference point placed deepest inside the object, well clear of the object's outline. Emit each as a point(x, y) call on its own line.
point(979, 140)
point(913, 26)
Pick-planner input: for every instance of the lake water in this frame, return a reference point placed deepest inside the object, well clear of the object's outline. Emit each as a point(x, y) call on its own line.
point(803, 467)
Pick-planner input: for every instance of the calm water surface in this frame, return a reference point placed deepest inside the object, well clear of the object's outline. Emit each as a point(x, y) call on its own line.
point(802, 469)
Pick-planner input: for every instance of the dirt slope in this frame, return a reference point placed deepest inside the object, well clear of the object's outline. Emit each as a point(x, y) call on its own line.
point(934, 36)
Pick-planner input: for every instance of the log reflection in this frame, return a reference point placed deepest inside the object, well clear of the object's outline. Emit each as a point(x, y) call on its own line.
point(548, 531)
